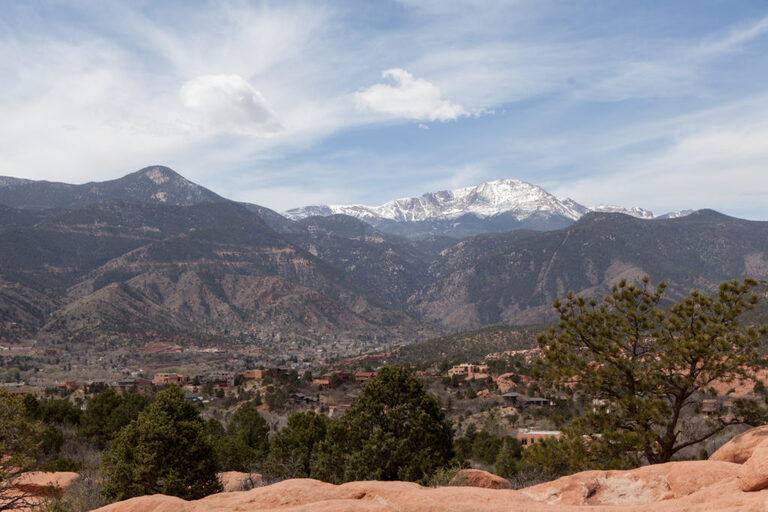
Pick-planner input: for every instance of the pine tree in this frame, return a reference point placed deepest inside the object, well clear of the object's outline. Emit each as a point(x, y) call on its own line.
point(165, 451)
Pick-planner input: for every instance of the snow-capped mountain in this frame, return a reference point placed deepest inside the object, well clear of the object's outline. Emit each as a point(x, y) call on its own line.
point(640, 213)
point(515, 197)
point(494, 206)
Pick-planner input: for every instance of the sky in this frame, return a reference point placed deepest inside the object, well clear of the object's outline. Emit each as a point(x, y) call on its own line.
point(661, 105)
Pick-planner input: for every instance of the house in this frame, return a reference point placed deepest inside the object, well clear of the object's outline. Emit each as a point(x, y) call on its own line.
point(322, 381)
point(223, 379)
point(332, 379)
point(134, 385)
point(336, 410)
point(364, 376)
point(255, 374)
point(192, 397)
point(68, 385)
point(162, 379)
point(519, 400)
point(302, 398)
point(530, 437)
point(467, 370)
point(714, 406)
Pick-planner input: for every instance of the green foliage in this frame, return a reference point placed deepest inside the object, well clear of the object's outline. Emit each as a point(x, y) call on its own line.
point(60, 412)
point(19, 443)
point(276, 398)
point(63, 464)
point(394, 430)
point(291, 449)
point(51, 440)
point(466, 346)
point(107, 413)
point(640, 368)
point(246, 442)
point(503, 453)
point(506, 464)
point(165, 451)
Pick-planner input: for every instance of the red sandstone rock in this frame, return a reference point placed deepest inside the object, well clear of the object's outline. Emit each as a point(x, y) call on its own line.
point(740, 448)
point(696, 486)
point(233, 481)
point(753, 475)
point(38, 485)
point(45, 483)
point(479, 478)
point(648, 484)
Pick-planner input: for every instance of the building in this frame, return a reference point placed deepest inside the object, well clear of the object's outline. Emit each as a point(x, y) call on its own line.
point(163, 379)
point(518, 400)
point(529, 437)
point(134, 385)
point(223, 379)
point(68, 385)
point(364, 376)
point(255, 374)
point(467, 370)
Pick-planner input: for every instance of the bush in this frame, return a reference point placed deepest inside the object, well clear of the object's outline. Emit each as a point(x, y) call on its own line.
point(165, 451)
point(63, 464)
point(394, 430)
point(246, 442)
point(291, 450)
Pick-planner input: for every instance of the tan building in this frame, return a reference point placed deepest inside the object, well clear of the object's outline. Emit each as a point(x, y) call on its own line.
point(530, 437)
point(364, 376)
point(255, 374)
point(468, 370)
point(162, 379)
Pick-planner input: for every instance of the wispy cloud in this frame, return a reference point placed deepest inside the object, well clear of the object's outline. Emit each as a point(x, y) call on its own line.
point(585, 98)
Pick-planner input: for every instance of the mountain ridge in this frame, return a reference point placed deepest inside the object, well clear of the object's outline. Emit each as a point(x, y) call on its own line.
point(494, 206)
point(123, 270)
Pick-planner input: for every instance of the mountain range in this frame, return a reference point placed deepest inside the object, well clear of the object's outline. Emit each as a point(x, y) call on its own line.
point(154, 256)
point(490, 207)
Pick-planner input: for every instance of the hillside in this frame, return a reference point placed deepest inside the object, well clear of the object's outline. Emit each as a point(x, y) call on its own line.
point(514, 277)
point(221, 270)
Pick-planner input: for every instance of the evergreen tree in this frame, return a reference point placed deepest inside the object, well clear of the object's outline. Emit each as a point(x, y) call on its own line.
point(508, 458)
point(394, 430)
point(19, 442)
point(641, 368)
point(291, 449)
point(246, 442)
point(165, 451)
point(107, 413)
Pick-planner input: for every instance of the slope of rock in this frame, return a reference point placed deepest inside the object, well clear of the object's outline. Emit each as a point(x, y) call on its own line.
point(740, 448)
point(696, 486)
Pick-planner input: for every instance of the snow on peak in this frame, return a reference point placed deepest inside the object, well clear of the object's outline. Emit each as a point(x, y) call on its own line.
point(505, 196)
point(640, 213)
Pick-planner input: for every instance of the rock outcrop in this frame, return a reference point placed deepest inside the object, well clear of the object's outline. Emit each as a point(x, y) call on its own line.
point(648, 484)
point(740, 448)
point(479, 478)
point(30, 488)
point(753, 475)
point(690, 486)
point(233, 481)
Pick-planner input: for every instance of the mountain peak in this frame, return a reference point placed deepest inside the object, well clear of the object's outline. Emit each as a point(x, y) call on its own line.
point(154, 184)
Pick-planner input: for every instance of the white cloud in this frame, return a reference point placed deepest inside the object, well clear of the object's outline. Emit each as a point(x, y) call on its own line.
point(229, 103)
point(409, 97)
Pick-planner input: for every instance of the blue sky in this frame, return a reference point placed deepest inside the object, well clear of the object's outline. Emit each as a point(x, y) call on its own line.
point(662, 105)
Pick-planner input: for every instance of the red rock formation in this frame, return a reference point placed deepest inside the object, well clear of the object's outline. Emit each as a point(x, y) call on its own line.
point(740, 448)
point(753, 475)
point(696, 486)
point(479, 478)
point(35, 486)
point(233, 481)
